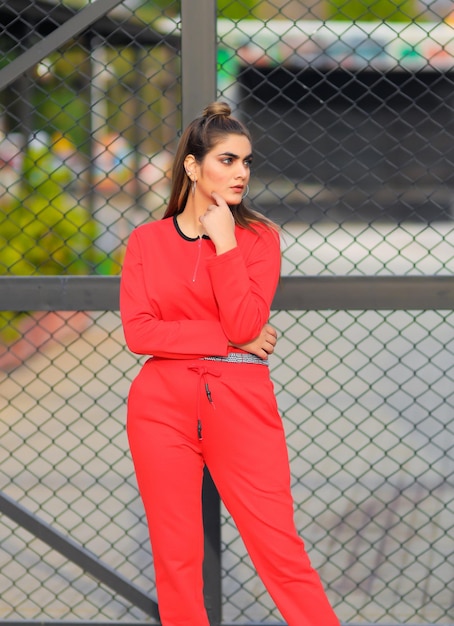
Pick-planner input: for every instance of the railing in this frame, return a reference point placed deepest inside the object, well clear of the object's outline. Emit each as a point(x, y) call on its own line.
point(74, 293)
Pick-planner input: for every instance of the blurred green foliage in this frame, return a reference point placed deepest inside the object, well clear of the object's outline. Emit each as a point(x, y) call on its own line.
point(372, 10)
point(43, 230)
point(237, 9)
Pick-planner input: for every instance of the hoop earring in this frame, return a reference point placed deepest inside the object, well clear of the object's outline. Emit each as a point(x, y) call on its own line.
point(193, 187)
point(247, 191)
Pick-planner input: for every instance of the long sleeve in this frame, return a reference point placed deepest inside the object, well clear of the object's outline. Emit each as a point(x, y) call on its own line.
point(178, 299)
point(145, 330)
point(244, 282)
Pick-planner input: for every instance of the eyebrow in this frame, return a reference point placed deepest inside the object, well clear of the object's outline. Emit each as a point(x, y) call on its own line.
point(235, 156)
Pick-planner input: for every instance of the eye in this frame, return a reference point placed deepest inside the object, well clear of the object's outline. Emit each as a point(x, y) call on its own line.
point(227, 160)
point(248, 162)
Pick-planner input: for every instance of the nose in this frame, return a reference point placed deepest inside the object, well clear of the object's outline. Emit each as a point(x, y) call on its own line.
point(243, 171)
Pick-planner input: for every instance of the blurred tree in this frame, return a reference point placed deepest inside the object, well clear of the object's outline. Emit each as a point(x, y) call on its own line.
point(238, 9)
point(372, 10)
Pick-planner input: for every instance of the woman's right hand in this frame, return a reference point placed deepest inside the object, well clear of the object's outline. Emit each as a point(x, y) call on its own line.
point(219, 224)
point(263, 345)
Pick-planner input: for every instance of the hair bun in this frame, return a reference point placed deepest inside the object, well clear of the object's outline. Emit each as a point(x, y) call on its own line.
point(217, 108)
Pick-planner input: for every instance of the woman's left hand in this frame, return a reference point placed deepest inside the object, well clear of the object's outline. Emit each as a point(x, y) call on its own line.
point(263, 345)
point(219, 224)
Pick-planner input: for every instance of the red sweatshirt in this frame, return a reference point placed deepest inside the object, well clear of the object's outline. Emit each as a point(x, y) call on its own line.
point(178, 299)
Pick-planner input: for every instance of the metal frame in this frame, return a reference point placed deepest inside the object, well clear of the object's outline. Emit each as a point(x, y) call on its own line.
point(74, 26)
point(95, 293)
point(198, 56)
point(78, 555)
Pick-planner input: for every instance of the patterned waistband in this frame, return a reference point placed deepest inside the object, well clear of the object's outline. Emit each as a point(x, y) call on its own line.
point(237, 357)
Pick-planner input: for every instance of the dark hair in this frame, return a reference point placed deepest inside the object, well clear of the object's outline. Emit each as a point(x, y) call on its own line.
point(198, 139)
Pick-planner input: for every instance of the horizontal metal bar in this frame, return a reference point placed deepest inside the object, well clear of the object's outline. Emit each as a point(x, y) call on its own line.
point(75, 25)
point(59, 293)
point(77, 554)
point(101, 293)
point(366, 293)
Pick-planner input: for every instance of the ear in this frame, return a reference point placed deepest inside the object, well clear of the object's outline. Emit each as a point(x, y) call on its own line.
point(189, 165)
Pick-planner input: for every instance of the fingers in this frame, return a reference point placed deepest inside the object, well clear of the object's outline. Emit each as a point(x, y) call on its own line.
point(219, 200)
point(269, 348)
point(270, 330)
point(270, 334)
point(263, 345)
point(270, 339)
point(219, 224)
point(218, 208)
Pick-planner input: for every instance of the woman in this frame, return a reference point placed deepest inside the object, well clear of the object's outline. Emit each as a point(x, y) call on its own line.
point(196, 292)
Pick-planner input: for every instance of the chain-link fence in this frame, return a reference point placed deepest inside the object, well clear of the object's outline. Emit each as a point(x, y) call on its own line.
point(350, 106)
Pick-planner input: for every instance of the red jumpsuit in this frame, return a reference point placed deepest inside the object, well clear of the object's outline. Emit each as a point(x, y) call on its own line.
point(181, 302)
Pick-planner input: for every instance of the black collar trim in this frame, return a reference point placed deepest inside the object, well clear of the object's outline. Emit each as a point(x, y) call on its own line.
point(181, 233)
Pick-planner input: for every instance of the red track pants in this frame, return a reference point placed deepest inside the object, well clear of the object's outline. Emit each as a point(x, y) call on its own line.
point(183, 414)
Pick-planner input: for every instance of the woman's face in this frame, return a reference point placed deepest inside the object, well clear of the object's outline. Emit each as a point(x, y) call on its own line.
point(226, 169)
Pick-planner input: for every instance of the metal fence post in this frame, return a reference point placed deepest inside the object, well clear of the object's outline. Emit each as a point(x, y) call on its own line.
point(198, 60)
point(198, 56)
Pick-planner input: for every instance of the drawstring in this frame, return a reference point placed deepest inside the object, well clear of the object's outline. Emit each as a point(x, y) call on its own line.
point(203, 372)
point(208, 392)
